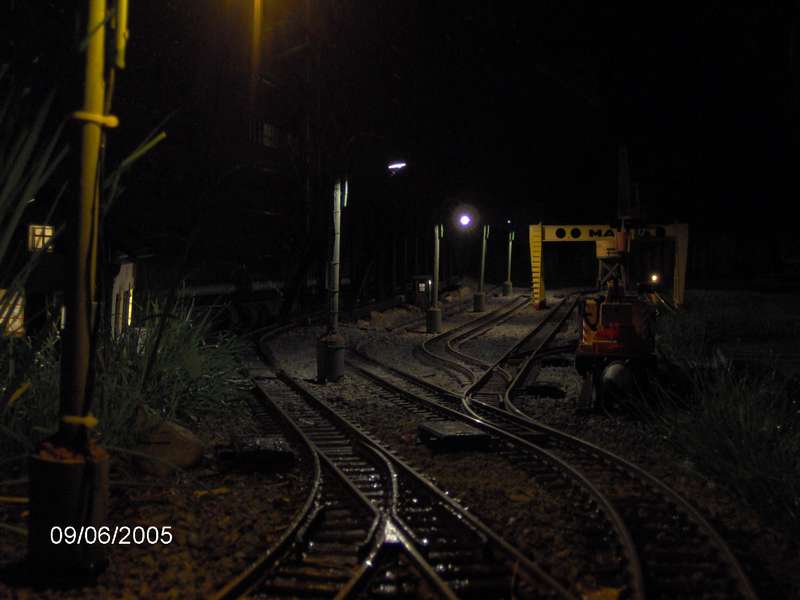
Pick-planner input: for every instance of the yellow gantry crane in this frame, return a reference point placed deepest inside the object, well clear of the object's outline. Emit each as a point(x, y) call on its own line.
point(605, 239)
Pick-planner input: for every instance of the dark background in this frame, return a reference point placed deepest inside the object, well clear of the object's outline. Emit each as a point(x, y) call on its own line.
point(517, 110)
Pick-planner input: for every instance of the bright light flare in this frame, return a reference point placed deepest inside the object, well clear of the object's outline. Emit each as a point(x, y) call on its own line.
point(654, 278)
point(464, 220)
point(397, 166)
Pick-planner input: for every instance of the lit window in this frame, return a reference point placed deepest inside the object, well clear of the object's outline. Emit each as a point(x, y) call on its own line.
point(39, 236)
point(12, 315)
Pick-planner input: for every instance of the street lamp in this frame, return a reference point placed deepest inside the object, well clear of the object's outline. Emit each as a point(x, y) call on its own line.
point(466, 221)
point(434, 315)
point(394, 168)
point(479, 299)
point(330, 347)
point(508, 287)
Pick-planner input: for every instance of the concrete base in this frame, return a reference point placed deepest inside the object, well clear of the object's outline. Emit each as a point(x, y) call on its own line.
point(479, 302)
point(330, 358)
point(64, 492)
point(434, 320)
point(508, 288)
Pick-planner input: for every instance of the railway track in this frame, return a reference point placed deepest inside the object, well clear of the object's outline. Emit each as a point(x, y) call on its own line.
point(491, 386)
point(443, 350)
point(372, 526)
point(602, 545)
point(680, 554)
point(657, 545)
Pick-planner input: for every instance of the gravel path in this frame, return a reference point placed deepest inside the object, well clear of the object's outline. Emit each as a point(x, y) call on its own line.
point(550, 395)
point(221, 519)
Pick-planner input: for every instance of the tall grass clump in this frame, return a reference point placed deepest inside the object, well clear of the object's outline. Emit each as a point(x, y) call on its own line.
point(192, 376)
point(737, 426)
point(740, 428)
point(29, 156)
point(714, 318)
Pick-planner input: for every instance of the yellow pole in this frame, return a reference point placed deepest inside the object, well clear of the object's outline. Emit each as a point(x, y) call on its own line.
point(80, 302)
point(255, 51)
point(71, 488)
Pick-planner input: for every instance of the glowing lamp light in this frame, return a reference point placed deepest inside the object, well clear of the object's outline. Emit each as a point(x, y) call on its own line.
point(464, 220)
point(654, 278)
point(394, 167)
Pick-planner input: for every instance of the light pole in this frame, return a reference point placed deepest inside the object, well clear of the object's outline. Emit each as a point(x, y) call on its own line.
point(508, 287)
point(394, 168)
point(479, 300)
point(330, 347)
point(434, 320)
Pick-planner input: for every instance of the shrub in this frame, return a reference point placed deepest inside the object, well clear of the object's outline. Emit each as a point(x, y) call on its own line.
point(192, 376)
point(741, 428)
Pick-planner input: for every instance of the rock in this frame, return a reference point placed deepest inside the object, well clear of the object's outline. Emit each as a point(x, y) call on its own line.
point(170, 445)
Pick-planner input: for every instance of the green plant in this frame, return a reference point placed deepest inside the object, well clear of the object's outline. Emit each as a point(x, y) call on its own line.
point(28, 158)
point(742, 429)
point(192, 375)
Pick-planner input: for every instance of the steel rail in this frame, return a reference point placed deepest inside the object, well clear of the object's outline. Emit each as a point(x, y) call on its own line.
point(456, 411)
point(447, 509)
point(579, 450)
point(506, 401)
point(661, 301)
point(397, 543)
point(534, 431)
point(487, 320)
point(506, 368)
point(313, 565)
point(238, 585)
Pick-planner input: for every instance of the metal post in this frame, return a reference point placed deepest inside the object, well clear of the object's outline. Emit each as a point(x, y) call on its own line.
point(70, 488)
point(479, 300)
point(75, 368)
point(337, 236)
point(438, 234)
point(483, 256)
point(507, 285)
point(330, 348)
point(434, 320)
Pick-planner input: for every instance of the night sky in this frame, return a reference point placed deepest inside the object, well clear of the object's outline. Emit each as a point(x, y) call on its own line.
point(520, 110)
point(704, 94)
